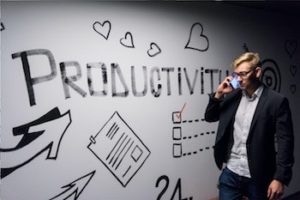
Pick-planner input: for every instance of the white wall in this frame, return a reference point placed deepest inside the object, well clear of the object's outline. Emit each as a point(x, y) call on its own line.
point(184, 48)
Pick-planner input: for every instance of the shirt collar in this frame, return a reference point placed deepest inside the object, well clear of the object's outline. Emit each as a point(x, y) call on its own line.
point(256, 94)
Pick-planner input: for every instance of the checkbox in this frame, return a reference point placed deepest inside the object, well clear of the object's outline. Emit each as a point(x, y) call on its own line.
point(177, 133)
point(176, 117)
point(177, 150)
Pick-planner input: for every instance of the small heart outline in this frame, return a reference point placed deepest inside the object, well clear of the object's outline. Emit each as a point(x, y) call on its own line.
point(293, 70)
point(293, 88)
point(127, 40)
point(291, 47)
point(154, 49)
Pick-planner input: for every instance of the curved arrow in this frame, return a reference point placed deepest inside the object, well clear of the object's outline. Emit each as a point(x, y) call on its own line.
point(75, 188)
point(40, 135)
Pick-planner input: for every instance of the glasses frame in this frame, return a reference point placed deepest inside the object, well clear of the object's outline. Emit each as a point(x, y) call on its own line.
point(243, 74)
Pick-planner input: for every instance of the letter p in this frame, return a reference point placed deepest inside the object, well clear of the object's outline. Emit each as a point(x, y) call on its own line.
point(30, 81)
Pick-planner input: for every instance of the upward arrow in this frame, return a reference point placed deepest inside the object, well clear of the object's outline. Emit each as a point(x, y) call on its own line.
point(74, 188)
point(38, 136)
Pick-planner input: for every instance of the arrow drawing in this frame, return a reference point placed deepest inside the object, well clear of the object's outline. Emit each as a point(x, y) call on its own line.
point(43, 134)
point(75, 188)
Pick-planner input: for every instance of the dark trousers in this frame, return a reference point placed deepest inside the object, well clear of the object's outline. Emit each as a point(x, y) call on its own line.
point(235, 187)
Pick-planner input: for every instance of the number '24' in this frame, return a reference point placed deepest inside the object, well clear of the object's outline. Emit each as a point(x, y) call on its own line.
point(166, 181)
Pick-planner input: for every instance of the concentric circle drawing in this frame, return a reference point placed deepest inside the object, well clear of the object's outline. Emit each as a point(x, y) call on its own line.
point(271, 76)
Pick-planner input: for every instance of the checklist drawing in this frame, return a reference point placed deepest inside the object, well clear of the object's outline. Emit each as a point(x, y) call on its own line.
point(119, 149)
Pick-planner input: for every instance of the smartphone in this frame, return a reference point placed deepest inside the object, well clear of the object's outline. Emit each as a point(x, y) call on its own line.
point(234, 83)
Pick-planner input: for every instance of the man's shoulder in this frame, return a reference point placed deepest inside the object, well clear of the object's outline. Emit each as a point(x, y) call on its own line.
point(273, 94)
point(274, 97)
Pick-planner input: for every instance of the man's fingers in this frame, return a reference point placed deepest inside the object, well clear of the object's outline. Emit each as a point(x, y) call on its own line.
point(270, 194)
point(274, 195)
point(277, 195)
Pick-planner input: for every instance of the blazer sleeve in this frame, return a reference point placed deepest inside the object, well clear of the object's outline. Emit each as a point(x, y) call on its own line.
point(212, 112)
point(285, 143)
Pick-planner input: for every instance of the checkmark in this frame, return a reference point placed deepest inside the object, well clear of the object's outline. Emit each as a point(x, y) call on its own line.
point(178, 115)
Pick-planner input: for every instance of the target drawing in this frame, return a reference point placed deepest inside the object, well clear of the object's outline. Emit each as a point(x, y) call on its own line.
point(271, 76)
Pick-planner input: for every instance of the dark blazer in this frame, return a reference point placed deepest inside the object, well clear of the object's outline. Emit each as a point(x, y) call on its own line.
point(270, 143)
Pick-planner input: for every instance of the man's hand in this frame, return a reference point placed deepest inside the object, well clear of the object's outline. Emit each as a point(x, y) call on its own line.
point(275, 190)
point(224, 88)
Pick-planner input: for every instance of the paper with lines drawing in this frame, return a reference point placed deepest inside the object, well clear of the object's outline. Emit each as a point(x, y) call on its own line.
point(119, 149)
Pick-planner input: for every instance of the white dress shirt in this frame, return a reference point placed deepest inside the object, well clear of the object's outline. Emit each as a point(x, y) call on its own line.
point(238, 161)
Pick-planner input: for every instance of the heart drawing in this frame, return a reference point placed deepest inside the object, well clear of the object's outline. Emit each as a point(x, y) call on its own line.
point(291, 47)
point(127, 41)
point(197, 40)
point(293, 88)
point(293, 70)
point(102, 28)
point(154, 50)
point(245, 47)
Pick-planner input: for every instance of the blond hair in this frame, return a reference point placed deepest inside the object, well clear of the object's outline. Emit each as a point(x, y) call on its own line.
point(251, 57)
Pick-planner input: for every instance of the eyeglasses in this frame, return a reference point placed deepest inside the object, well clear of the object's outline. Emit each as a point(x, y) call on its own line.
point(242, 74)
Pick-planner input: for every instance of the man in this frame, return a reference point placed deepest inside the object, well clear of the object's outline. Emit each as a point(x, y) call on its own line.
point(254, 143)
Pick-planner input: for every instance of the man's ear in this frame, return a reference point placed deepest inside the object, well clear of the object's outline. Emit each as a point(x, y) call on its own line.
point(258, 72)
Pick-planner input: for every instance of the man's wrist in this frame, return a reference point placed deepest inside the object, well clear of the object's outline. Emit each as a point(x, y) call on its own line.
point(218, 95)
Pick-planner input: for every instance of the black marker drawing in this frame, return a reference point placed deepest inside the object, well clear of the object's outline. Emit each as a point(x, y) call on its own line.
point(75, 188)
point(181, 140)
point(2, 28)
point(177, 189)
point(102, 28)
point(271, 74)
point(103, 69)
point(154, 50)
point(30, 81)
point(157, 80)
point(179, 143)
point(212, 72)
point(119, 149)
point(127, 41)
point(133, 82)
point(246, 49)
point(68, 81)
point(117, 72)
point(43, 134)
point(293, 88)
point(290, 47)
point(293, 70)
point(176, 117)
point(197, 40)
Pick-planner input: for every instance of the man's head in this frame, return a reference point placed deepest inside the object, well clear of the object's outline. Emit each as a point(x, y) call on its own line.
point(248, 69)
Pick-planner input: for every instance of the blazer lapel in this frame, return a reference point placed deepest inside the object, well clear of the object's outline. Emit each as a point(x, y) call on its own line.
point(229, 114)
point(259, 108)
